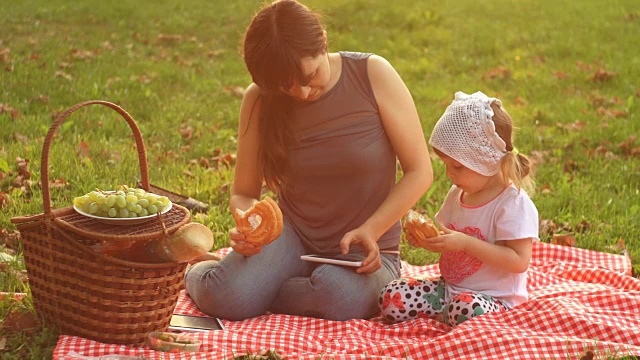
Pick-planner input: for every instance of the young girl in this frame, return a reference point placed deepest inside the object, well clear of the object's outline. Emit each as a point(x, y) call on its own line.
point(488, 221)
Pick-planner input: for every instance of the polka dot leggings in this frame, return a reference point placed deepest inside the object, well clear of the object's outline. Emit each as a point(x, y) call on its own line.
point(406, 299)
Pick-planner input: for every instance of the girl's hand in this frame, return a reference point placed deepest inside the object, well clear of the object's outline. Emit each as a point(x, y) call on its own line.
point(359, 236)
point(236, 240)
point(450, 241)
point(413, 241)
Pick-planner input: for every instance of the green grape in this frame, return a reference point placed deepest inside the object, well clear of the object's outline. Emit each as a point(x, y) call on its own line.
point(112, 212)
point(144, 212)
point(131, 207)
point(152, 198)
point(101, 199)
point(138, 209)
point(94, 207)
point(164, 200)
point(143, 202)
point(132, 199)
point(152, 209)
point(111, 201)
point(121, 201)
point(85, 207)
point(79, 201)
point(93, 195)
point(124, 213)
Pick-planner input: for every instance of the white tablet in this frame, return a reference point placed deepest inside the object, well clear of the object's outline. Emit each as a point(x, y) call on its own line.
point(189, 323)
point(331, 260)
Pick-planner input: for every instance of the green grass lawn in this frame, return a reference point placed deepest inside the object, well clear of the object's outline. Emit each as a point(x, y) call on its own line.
point(566, 71)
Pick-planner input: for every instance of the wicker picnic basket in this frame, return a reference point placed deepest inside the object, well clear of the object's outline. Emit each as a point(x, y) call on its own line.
point(85, 293)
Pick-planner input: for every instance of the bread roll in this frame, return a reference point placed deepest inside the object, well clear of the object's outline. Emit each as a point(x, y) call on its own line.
point(190, 241)
point(262, 223)
point(419, 227)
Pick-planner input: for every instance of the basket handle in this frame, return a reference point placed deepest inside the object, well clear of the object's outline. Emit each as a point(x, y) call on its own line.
point(44, 166)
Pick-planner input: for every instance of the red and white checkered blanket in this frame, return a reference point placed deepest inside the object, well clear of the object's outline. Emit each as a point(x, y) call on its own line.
point(579, 300)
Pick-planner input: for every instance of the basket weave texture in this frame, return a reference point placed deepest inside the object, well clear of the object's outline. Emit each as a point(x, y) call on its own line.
point(85, 293)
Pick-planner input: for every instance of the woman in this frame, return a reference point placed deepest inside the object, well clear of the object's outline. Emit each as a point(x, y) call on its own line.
point(323, 130)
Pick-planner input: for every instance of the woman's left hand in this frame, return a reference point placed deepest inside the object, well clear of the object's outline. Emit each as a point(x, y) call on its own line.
point(369, 244)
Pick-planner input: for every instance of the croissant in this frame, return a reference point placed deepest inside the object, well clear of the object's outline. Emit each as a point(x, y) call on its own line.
point(420, 227)
point(262, 223)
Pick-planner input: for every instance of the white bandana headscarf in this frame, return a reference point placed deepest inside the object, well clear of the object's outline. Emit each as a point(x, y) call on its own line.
point(466, 133)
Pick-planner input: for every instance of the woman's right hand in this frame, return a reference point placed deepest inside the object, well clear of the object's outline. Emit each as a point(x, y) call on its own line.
point(239, 245)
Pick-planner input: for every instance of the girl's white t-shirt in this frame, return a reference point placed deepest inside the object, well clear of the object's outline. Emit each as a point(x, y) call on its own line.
point(509, 216)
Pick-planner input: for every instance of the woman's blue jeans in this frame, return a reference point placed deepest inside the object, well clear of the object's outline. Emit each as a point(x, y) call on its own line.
point(276, 280)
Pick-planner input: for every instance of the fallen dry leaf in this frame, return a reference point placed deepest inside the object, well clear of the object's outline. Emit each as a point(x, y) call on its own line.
point(168, 155)
point(574, 126)
point(563, 240)
point(627, 145)
point(611, 113)
point(570, 166)
point(225, 160)
point(589, 355)
point(631, 16)
point(603, 75)
point(234, 90)
point(547, 227)
point(58, 183)
point(538, 59)
point(21, 320)
point(23, 167)
point(204, 162)
point(64, 75)
point(5, 55)
point(4, 199)
point(169, 37)
point(10, 239)
point(583, 226)
point(80, 54)
point(545, 189)
point(186, 132)
point(83, 150)
point(498, 72)
point(619, 247)
point(582, 66)
point(520, 101)
point(560, 75)
point(5, 108)
point(215, 53)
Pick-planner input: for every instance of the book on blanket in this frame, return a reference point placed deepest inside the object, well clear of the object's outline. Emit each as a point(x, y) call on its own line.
point(188, 323)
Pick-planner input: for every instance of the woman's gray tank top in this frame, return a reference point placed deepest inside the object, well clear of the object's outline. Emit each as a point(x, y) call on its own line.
point(343, 166)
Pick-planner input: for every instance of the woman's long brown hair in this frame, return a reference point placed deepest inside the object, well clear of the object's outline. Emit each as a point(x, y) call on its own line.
point(278, 37)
